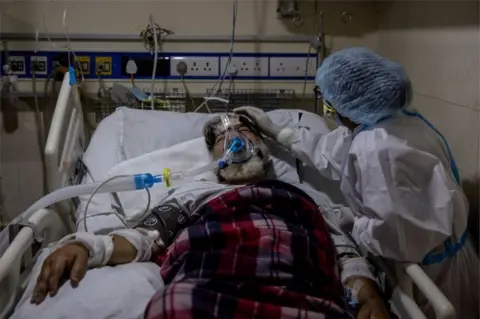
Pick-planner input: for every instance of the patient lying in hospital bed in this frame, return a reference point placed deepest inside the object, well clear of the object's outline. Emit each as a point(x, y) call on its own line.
point(263, 249)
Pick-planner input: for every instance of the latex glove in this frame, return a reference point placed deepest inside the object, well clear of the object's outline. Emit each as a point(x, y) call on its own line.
point(261, 119)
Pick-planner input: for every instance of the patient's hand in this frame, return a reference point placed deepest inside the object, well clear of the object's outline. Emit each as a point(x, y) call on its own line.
point(70, 260)
point(371, 302)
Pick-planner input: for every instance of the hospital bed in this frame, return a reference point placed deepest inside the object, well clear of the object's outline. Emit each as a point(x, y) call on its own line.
point(124, 135)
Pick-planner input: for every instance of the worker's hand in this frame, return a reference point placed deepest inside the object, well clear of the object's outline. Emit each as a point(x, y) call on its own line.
point(261, 119)
point(69, 261)
point(372, 305)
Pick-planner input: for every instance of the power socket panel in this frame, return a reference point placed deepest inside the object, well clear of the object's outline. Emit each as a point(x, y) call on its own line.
point(17, 65)
point(38, 64)
point(292, 67)
point(246, 66)
point(196, 66)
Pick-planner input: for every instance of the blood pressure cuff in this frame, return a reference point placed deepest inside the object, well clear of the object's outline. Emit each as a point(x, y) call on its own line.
point(168, 219)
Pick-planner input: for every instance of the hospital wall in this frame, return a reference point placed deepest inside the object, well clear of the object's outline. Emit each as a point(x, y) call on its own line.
point(438, 42)
point(21, 165)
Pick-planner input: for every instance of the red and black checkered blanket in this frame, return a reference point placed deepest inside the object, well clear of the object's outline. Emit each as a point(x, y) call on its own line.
point(260, 251)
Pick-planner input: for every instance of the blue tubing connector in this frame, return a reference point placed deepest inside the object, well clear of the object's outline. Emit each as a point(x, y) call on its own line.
point(222, 164)
point(147, 180)
point(236, 145)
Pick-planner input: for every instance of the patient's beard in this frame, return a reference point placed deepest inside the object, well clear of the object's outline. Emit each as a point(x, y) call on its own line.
point(248, 172)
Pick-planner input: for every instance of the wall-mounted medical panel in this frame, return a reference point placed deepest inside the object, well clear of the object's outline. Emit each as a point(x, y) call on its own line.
point(198, 66)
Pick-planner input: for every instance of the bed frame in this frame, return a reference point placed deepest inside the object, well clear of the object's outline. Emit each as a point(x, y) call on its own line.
point(64, 148)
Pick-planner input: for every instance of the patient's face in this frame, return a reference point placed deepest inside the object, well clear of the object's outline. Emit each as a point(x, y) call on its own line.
point(250, 171)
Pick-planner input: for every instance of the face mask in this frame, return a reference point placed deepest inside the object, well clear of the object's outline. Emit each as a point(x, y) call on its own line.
point(237, 147)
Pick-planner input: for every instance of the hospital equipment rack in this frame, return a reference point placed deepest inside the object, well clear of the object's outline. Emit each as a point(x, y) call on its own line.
point(266, 99)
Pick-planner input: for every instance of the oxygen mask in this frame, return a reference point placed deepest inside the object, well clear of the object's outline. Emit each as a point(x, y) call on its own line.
point(238, 148)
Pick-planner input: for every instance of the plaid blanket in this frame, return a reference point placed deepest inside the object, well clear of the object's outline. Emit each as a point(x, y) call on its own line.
point(259, 251)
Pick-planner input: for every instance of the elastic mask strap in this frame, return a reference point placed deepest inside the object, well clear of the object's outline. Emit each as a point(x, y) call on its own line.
point(226, 122)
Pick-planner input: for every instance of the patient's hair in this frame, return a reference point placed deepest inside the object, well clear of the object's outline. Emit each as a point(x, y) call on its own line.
point(255, 168)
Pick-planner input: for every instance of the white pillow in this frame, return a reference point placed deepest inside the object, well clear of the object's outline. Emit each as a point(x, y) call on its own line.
point(129, 133)
point(178, 158)
point(147, 131)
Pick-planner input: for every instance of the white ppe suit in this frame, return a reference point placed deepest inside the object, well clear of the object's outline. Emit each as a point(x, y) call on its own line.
point(400, 181)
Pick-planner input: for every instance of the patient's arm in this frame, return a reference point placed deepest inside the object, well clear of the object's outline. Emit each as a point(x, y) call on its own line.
point(123, 251)
point(78, 252)
point(355, 271)
point(349, 257)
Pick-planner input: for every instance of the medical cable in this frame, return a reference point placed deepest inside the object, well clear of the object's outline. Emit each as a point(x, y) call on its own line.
point(220, 81)
point(231, 85)
point(75, 66)
point(61, 48)
point(40, 129)
point(232, 44)
point(320, 38)
point(84, 218)
point(153, 36)
point(87, 170)
point(187, 91)
point(305, 79)
point(69, 46)
point(155, 58)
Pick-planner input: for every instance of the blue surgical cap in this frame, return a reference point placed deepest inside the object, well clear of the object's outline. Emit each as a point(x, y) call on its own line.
point(363, 86)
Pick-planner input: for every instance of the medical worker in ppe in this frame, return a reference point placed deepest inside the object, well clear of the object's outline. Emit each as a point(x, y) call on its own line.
point(396, 171)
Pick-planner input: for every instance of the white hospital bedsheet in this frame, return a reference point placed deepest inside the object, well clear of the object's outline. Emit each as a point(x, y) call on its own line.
point(110, 292)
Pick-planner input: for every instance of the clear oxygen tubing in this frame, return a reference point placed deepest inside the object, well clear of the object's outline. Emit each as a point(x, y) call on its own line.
point(168, 177)
point(117, 184)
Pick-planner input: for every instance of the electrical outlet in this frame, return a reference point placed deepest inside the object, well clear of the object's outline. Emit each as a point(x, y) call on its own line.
point(247, 66)
point(103, 65)
point(84, 64)
point(292, 67)
point(196, 66)
point(38, 64)
point(17, 65)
